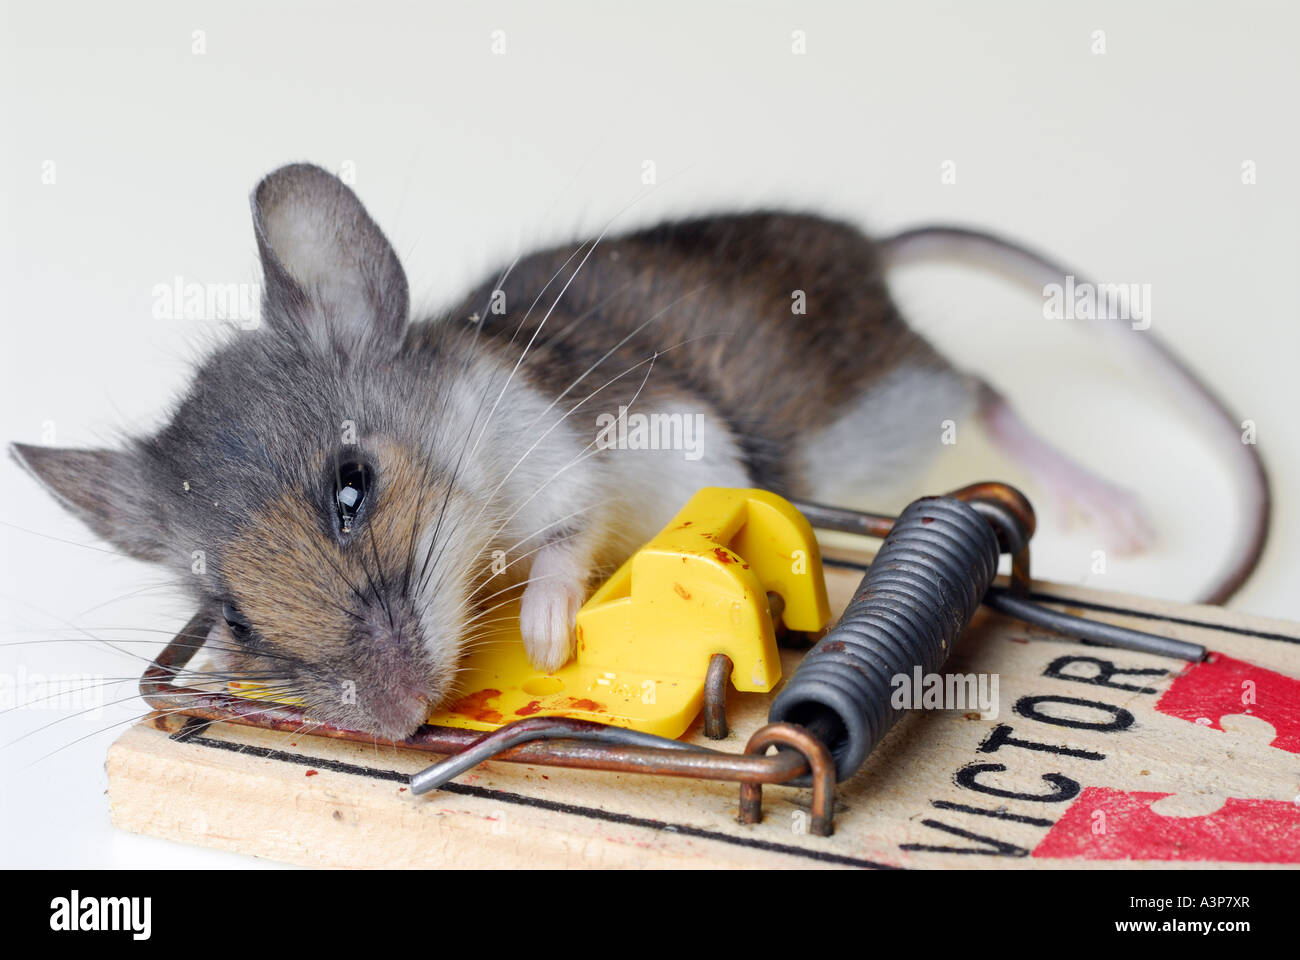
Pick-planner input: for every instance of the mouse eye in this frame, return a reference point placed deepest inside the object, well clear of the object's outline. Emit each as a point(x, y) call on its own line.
point(350, 492)
point(239, 626)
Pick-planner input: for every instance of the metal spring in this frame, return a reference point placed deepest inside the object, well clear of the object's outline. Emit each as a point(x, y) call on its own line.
point(918, 595)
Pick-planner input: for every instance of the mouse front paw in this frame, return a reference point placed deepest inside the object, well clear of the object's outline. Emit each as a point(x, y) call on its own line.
point(546, 618)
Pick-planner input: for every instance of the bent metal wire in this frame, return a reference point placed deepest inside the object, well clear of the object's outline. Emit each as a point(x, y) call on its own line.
point(832, 729)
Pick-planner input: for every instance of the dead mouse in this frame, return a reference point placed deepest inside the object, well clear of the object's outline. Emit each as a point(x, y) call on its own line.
point(365, 488)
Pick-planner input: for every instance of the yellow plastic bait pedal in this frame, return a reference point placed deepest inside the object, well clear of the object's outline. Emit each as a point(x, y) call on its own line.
point(645, 637)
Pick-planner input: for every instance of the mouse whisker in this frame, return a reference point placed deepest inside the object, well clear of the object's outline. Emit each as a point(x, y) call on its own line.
point(73, 543)
point(580, 458)
point(594, 244)
point(92, 709)
point(170, 584)
point(129, 720)
point(586, 452)
point(509, 600)
point(208, 643)
point(311, 538)
point(542, 529)
point(65, 691)
point(580, 403)
point(379, 572)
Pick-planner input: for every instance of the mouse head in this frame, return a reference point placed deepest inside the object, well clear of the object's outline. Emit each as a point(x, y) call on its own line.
point(311, 486)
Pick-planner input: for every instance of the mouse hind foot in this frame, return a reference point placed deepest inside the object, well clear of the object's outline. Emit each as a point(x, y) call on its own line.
point(1073, 490)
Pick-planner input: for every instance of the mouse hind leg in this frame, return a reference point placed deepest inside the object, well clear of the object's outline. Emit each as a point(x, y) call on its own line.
point(877, 447)
point(875, 451)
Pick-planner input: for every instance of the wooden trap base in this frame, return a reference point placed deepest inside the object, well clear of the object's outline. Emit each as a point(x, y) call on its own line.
point(1096, 757)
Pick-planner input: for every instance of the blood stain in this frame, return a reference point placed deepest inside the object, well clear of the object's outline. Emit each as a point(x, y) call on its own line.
point(476, 707)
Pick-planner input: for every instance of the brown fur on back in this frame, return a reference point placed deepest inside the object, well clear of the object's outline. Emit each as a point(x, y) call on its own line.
point(722, 294)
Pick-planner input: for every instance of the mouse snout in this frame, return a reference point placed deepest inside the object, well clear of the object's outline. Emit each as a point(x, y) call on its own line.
point(395, 686)
point(398, 712)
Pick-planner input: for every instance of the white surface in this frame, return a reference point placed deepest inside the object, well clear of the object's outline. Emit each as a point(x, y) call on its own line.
point(1127, 164)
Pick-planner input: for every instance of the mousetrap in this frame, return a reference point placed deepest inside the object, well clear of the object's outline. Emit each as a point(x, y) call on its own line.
point(947, 718)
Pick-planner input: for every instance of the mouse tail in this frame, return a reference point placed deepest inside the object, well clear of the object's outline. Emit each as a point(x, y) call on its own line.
point(1030, 268)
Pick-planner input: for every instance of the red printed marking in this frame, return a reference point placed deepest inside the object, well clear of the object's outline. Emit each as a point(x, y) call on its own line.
point(1217, 688)
point(1241, 831)
point(311, 773)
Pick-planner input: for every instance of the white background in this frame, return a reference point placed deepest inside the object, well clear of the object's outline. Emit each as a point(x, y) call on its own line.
point(1127, 164)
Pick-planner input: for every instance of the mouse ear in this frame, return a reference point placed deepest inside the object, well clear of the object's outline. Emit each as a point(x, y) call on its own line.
point(101, 488)
point(328, 269)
